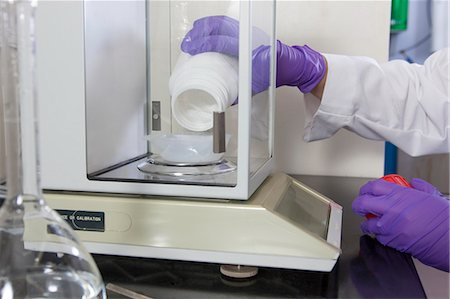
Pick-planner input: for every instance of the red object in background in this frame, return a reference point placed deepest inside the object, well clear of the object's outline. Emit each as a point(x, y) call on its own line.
point(396, 179)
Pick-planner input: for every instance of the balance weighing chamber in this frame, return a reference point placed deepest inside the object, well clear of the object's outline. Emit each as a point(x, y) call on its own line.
point(108, 116)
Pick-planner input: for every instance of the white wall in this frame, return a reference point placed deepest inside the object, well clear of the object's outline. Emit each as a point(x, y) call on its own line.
point(440, 14)
point(338, 27)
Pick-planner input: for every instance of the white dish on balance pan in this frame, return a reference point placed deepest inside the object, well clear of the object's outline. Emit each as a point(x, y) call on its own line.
point(185, 149)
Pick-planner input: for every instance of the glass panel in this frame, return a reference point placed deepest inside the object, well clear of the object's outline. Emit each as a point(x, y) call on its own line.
point(115, 66)
point(306, 210)
point(150, 105)
point(262, 39)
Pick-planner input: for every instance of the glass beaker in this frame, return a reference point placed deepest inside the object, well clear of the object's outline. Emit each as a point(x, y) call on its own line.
point(40, 256)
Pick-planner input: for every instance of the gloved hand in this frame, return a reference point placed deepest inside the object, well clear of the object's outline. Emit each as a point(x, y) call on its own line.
point(413, 220)
point(298, 66)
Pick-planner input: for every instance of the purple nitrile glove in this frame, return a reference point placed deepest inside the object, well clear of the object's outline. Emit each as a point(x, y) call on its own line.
point(298, 66)
point(212, 34)
point(413, 220)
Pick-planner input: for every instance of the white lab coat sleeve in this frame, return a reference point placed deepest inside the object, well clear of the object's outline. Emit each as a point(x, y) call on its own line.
point(406, 104)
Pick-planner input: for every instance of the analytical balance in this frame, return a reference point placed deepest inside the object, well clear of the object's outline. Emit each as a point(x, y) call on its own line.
point(119, 166)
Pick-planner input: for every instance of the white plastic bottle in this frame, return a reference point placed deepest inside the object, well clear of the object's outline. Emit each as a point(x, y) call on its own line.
point(200, 85)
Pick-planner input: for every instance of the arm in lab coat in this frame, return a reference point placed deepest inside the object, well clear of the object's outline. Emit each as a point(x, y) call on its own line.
point(406, 104)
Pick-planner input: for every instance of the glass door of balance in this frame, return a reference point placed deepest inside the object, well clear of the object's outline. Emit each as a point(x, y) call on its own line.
point(156, 113)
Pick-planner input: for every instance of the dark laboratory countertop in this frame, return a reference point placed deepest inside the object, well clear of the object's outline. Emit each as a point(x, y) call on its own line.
point(365, 268)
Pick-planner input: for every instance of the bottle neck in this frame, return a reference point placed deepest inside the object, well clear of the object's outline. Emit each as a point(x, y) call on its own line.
point(19, 97)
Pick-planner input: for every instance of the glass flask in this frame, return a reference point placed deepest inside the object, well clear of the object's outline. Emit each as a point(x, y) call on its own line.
point(40, 256)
